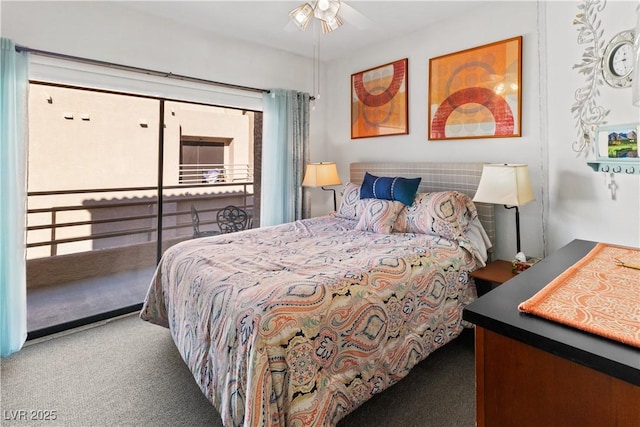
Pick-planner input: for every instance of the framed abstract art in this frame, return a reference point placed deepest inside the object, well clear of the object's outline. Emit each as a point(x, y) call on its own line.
point(477, 93)
point(379, 99)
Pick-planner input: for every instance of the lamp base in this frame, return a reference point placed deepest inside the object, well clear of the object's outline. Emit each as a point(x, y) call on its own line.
point(335, 206)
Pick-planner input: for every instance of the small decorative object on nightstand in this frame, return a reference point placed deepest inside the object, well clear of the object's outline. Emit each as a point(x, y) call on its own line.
point(520, 265)
point(495, 273)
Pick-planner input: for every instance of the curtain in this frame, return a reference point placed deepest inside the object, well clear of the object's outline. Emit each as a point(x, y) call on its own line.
point(13, 131)
point(285, 151)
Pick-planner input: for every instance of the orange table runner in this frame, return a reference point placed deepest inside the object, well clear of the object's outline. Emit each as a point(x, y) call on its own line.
point(595, 295)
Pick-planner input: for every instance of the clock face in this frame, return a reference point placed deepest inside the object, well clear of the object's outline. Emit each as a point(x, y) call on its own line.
point(622, 59)
point(618, 59)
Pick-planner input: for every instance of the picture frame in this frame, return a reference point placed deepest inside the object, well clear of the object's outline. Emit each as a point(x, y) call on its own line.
point(379, 100)
point(477, 92)
point(618, 142)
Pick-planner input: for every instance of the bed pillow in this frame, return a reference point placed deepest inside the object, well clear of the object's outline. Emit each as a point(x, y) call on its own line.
point(478, 243)
point(350, 206)
point(446, 214)
point(397, 188)
point(379, 216)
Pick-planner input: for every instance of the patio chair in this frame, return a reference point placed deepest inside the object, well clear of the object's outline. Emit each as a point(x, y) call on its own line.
point(232, 218)
point(195, 220)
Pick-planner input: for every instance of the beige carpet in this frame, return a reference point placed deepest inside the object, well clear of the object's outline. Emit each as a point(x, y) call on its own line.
point(127, 372)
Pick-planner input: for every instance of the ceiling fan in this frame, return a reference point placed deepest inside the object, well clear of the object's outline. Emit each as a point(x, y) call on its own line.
point(331, 14)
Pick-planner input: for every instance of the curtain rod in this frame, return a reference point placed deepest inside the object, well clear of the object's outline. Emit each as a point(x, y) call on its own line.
point(136, 69)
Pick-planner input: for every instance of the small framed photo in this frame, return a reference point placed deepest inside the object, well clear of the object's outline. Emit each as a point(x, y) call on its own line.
point(379, 101)
point(618, 142)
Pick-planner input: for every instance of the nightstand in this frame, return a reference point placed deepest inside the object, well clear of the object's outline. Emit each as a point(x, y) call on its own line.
point(494, 274)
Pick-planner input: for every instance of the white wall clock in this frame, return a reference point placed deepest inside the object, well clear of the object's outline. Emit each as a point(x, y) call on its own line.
point(618, 59)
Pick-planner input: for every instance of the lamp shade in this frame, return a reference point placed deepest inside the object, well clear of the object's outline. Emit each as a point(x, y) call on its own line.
point(321, 175)
point(504, 184)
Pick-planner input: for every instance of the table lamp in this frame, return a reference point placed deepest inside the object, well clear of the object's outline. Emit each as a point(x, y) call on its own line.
point(321, 175)
point(508, 185)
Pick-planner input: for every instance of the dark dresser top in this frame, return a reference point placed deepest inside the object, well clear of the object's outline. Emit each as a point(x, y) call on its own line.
point(497, 311)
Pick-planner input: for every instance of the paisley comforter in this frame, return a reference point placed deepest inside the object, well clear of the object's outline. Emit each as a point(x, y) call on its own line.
point(299, 324)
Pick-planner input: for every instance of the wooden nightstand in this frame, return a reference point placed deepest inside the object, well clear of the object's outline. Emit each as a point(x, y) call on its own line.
point(494, 274)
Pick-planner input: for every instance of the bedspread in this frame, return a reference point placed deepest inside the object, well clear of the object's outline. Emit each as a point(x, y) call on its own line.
point(298, 324)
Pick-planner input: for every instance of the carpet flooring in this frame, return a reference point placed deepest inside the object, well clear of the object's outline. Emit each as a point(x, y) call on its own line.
point(127, 372)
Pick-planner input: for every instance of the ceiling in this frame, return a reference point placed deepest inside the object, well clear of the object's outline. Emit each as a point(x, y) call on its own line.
point(267, 22)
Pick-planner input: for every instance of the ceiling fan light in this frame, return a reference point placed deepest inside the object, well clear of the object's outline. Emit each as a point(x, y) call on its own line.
point(326, 9)
point(333, 24)
point(301, 15)
point(322, 4)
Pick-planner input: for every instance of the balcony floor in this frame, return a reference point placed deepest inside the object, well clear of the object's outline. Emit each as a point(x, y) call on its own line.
point(51, 306)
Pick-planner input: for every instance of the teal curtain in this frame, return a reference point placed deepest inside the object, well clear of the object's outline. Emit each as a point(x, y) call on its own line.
point(13, 141)
point(285, 151)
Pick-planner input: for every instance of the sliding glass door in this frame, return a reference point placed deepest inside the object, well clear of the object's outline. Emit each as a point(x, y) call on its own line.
point(208, 164)
point(92, 179)
point(95, 193)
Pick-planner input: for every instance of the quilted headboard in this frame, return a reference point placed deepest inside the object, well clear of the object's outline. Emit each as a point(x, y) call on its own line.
point(436, 176)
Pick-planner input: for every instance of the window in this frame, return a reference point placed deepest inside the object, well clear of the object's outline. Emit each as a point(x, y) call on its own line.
point(201, 161)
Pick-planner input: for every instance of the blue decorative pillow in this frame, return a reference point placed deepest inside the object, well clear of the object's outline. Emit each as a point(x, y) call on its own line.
point(400, 189)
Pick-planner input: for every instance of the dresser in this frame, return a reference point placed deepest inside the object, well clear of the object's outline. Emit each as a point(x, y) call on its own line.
point(534, 372)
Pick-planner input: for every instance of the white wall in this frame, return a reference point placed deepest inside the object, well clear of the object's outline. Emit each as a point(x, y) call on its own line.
point(481, 26)
point(581, 205)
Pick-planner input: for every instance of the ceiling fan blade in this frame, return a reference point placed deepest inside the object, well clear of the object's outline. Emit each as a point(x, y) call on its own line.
point(291, 27)
point(354, 17)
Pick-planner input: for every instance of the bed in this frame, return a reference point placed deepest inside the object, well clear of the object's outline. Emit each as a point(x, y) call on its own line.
point(299, 324)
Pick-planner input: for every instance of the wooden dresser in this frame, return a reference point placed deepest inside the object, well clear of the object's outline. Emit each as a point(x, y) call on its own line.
point(534, 372)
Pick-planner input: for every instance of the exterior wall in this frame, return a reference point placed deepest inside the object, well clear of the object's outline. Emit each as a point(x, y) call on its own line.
point(85, 140)
point(80, 140)
point(109, 149)
point(183, 119)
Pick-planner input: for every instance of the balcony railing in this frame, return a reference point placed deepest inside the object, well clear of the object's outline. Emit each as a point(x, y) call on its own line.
point(214, 173)
point(116, 229)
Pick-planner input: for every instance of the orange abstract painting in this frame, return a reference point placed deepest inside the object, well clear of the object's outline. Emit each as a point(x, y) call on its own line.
point(379, 101)
point(476, 93)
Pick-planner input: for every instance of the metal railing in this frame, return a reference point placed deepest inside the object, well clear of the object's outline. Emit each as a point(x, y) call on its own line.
point(214, 173)
point(129, 216)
